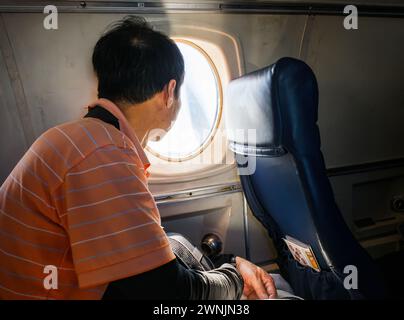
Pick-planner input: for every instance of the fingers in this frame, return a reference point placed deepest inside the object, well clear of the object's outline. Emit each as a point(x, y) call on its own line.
point(247, 290)
point(266, 291)
point(269, 285)
point(258, 285)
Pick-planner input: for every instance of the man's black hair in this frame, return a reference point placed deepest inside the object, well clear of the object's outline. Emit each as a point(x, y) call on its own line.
point(133, 62)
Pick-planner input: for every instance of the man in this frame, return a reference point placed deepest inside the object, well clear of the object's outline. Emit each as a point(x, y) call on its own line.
point(77, 205)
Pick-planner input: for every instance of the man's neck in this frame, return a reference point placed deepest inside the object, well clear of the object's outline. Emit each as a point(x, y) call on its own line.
point(139, 117)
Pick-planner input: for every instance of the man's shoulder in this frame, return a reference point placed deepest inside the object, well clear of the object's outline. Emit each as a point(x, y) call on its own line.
point(73, 141)
point(85, 135)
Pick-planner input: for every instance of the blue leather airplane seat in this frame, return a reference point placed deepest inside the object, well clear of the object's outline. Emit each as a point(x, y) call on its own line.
point(284, 179)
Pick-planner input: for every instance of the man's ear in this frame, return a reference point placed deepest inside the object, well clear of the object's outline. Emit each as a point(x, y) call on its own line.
point(171, 93)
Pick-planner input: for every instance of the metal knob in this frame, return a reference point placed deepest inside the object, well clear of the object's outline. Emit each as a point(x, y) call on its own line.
point(211, 245)
point(397, 204)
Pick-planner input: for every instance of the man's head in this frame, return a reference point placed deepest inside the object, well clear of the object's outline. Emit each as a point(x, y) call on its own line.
point(141, 70)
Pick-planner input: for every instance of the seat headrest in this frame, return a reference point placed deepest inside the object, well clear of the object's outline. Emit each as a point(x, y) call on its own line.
point(280, 102)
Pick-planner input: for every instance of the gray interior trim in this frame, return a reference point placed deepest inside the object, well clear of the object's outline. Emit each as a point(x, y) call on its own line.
point(197, 193)
point(365, 167)
point(16, 84)
point(212, 6)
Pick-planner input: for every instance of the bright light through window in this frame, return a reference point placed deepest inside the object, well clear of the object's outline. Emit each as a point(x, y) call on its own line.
point(199, 111)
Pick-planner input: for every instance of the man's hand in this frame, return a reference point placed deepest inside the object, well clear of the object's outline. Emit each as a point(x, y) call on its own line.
point(257, 283)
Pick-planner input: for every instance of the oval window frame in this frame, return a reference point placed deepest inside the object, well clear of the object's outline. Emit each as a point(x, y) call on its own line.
point(219, 111)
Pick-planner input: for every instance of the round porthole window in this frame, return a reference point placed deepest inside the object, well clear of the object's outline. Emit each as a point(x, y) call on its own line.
point(199, 116)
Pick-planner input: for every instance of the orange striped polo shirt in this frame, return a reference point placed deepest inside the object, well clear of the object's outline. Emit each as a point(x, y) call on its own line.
point(78, 200)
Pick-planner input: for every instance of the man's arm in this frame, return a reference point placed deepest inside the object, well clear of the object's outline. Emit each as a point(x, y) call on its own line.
point(174, 281)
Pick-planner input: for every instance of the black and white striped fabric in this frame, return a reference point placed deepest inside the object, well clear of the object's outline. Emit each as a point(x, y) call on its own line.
point(188, 254)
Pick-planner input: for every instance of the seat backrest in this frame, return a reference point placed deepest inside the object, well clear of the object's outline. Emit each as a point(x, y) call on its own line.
point(287, 187)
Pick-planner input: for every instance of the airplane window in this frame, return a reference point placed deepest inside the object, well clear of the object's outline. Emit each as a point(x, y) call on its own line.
point(200, 109)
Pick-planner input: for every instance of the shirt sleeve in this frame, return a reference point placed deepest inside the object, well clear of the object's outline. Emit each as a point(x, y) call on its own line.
point(111, 218)
point(174, 281)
